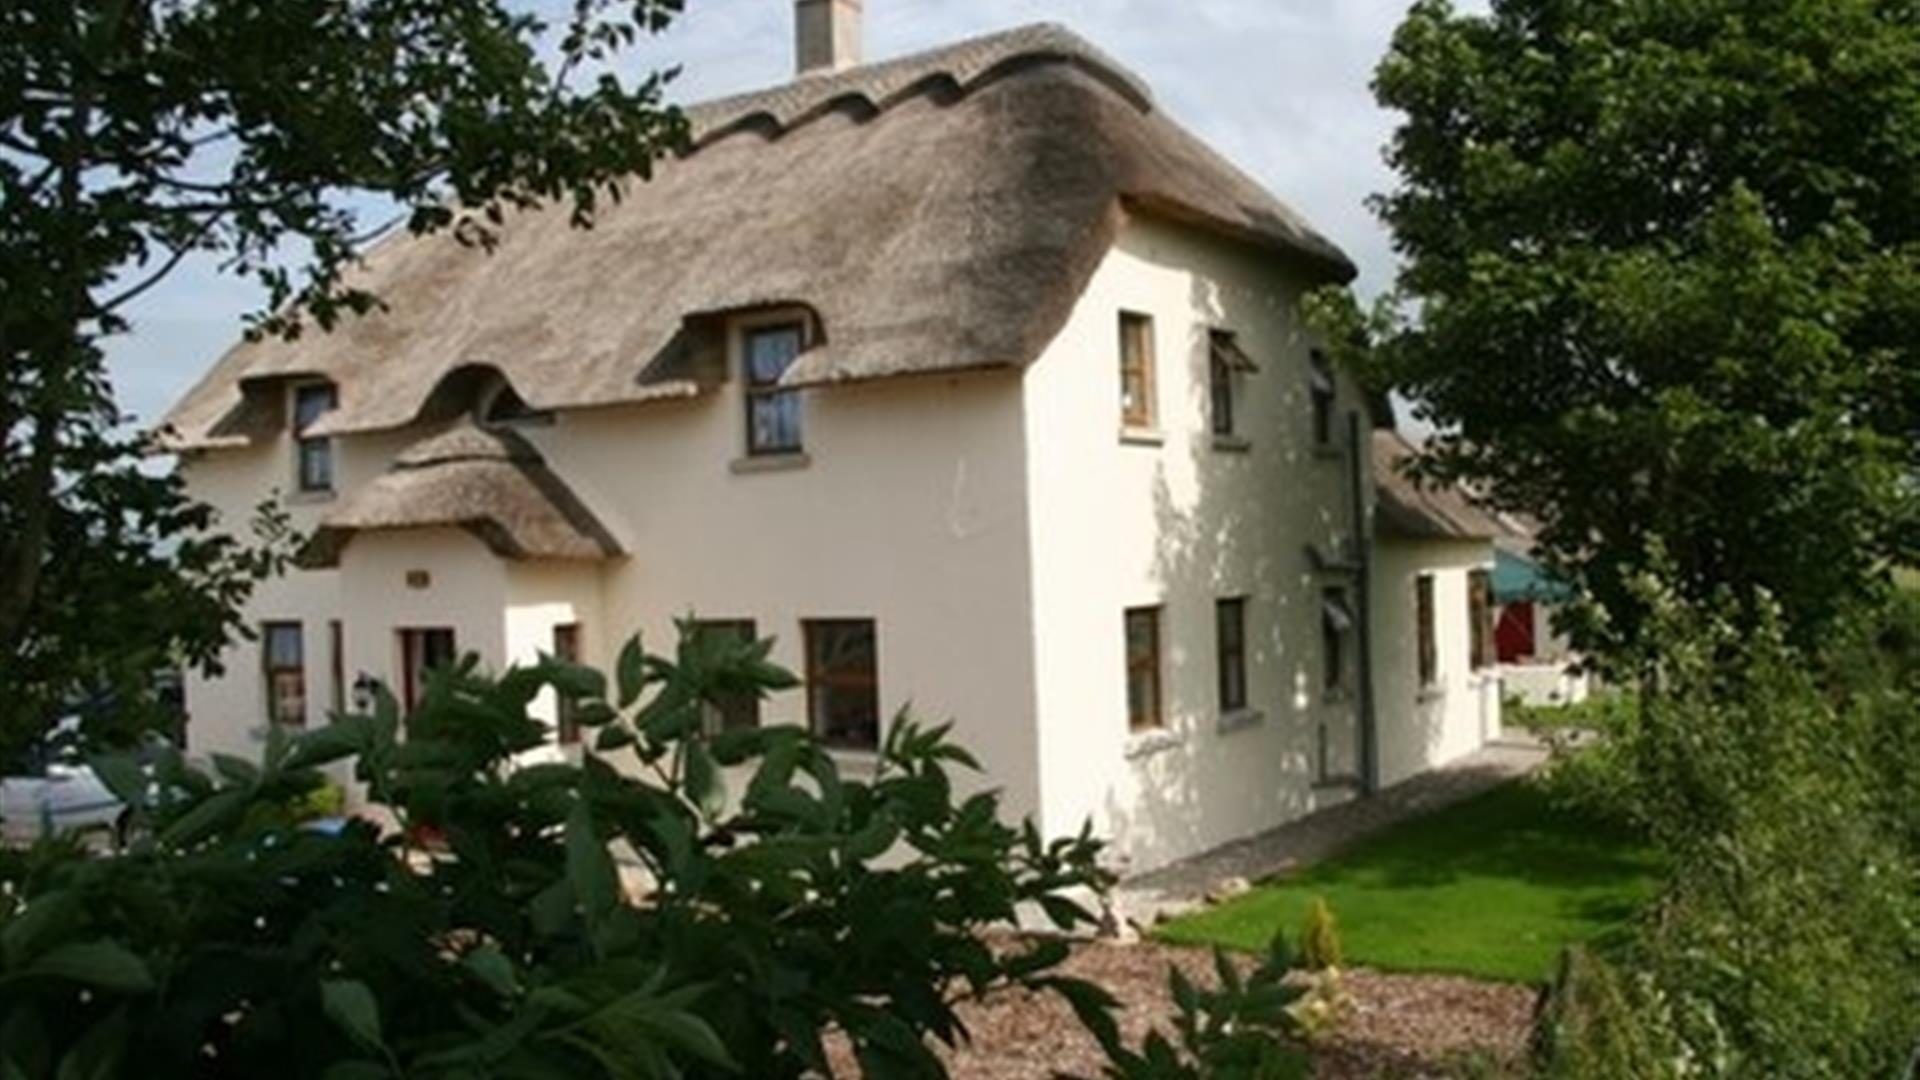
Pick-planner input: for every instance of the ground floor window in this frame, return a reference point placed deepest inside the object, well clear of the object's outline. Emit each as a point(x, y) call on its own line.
point(731, 712)
point(843, 681)
point(1145, 698)
point(1480, 612)
point(1423, 622)
point(337, 665)
point(422, 650)
point(283, 654)
point(566, 648)
point(1230, 641)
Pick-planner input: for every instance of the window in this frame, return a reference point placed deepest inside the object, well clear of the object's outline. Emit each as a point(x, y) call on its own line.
point(1336, 623)
point(731, 712)
point(284, 657)
point(1225, 362)
point(1136, 371)
point(1144, 698)
point(1230, 639)
point(1323, 399)
point(1480, 617)
point(315, 454)
point(1423, 621)
point(843, 682)
point(566, 648)
point(773, 414)
point(337, 665)
point(421, 652)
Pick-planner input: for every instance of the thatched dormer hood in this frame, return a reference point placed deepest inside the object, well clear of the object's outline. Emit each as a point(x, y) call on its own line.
point(937, 213)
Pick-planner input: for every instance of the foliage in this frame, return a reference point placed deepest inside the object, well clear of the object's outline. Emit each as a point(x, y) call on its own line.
point(789, 901)
point(1491, 887)
point(1599, 1023)
point(329, 800)
point(1599, 712)
point(1665, 260)
point(134, 136)
point(1319, 937)
point(1248, 1027)
point(1788, 935)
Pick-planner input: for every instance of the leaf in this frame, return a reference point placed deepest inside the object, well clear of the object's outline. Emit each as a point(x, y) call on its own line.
point(44, 917)
point(630, 672)
point(238, 771)
point(323, 746)
point(207, 817)
point(357, 1070)
point(103, 965)
point(706, 785)
point(493, 969)
point(97, 1054)
point(351, 1005)
point(123, 776)
point(596, 885)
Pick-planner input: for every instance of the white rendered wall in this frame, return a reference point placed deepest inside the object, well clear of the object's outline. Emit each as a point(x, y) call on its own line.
point(1425, 727)
point(1181, 524)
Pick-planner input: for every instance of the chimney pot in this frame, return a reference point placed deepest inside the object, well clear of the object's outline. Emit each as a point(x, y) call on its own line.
point(827, 35)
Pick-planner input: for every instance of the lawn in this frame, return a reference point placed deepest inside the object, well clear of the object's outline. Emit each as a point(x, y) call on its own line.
point(1491, 887)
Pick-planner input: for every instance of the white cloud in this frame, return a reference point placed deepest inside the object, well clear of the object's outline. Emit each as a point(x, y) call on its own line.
point(1279, 86)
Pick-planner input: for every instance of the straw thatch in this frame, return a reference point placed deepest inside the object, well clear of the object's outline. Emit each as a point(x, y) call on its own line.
point(1411, 509)
point(488, 481)
point(937, 213)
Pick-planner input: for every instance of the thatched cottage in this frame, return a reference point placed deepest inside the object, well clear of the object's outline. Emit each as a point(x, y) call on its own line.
point(971, 377)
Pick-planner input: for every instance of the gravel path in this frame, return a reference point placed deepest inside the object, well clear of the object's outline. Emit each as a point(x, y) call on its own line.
point(1184, 886)
point(1401, 1026)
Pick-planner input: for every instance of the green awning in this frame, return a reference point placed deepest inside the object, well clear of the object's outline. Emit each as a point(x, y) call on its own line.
point(1516, 578)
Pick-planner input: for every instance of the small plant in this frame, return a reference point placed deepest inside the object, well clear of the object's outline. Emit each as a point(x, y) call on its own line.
point(1320, 938)
point(329, 800)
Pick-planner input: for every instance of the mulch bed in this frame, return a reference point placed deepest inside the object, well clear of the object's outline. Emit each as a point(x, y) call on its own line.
point(1400, 1026)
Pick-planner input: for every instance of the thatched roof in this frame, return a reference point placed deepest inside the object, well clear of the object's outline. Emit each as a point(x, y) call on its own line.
point(937, 213)
point(1410, 509)
point(489, 481)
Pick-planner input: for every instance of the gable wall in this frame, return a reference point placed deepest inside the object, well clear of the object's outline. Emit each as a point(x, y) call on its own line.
point(1182, 524)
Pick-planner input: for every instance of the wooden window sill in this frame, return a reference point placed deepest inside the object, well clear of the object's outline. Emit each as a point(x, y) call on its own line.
point(1232, 444)
point(1132, 436)
point(766, 463)
point(317, 497)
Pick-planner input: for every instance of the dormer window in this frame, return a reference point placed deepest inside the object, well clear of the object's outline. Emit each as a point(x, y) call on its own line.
point(313, 453)
point(1323, 400)
point(773, 412)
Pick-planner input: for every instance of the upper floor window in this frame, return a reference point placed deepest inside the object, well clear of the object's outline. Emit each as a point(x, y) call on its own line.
point(283, 656)
point(773, 413)
point(1336, 627)
point(843, 682)
point(314, 453)
point(1323, 399)
point(1226, 361)
point(1428, 633)
point(1145, 699)
point(1136, 370)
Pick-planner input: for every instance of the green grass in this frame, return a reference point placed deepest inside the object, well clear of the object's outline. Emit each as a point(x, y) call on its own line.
point(1492, 887)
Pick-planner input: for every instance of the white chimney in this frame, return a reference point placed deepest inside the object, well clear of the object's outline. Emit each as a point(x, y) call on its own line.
point(827, 35)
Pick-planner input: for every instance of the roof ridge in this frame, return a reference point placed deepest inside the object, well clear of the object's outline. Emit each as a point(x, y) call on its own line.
point(966, 62)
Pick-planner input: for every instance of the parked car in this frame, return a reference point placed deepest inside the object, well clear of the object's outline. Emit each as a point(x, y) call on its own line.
point(63, 799)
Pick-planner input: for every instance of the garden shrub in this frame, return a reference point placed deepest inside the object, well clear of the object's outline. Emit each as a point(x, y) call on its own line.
point(1319, 938)
point(231, 942)
point(1785, 940)
point(1245, 1027)
point(1596, 1022)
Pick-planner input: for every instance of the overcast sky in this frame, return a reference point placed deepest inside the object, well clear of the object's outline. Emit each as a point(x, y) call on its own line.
point(1279, 86)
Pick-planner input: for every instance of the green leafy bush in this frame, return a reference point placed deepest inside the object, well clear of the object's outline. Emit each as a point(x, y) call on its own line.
point(678, 904)
point(1596, 1022)
point(1247, 1027)
point(1787, 940)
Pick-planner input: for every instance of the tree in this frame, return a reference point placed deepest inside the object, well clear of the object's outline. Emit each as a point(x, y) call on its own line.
point(1665, 260)
point(135, 134)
